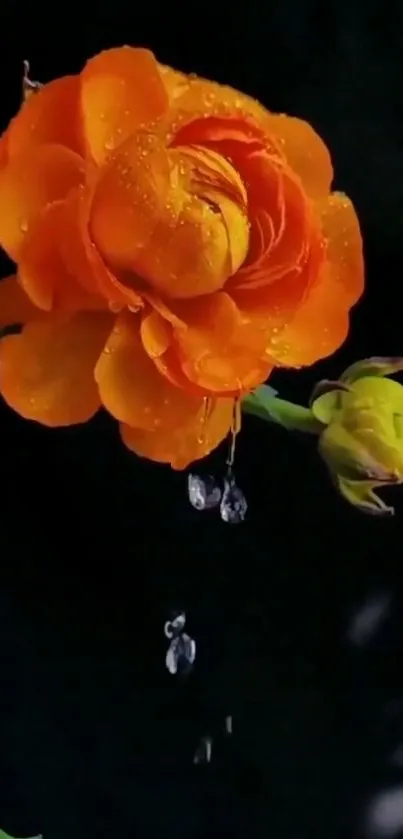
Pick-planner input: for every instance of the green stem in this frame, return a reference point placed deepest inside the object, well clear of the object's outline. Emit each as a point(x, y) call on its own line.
point(290, 416)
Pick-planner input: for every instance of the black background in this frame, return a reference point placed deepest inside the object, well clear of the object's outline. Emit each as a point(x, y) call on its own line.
point(96, 738)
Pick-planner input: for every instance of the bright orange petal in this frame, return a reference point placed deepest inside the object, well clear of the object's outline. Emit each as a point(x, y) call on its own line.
point(305, 152)
point(128, 200)
point(28, 184)
point(51, 116)
point(3, 149)
point(303, 149)
point(121, 89)
point(130, 386)
point(318, 329)
point(48, 269)
point(87, 260)
point(175, 82)
point(147, 219)
point(343, 239)
point(200, 98)
point(192, 440)
point(321, 324)
point(280, 214)
point(15, 305)
point(156, 334)
point(271, 308)
point(47, 372)
point(218, 349)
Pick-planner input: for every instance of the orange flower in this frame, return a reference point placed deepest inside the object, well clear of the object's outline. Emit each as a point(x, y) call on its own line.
point(174, 242)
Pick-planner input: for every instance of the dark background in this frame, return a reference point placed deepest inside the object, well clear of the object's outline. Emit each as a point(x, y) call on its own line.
point(96, 738)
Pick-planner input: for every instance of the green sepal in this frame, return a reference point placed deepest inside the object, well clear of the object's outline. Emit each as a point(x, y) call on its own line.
point(375, 366)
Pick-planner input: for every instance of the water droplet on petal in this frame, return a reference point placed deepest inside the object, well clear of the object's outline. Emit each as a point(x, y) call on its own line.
point(233, 505)
point(204, 494)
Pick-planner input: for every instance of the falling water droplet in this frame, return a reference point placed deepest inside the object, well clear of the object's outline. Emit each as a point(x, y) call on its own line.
point(174, 627)
point(181, 654)
point(204, 494)
point(228, 724)
point(233, 505)
point(203, 751)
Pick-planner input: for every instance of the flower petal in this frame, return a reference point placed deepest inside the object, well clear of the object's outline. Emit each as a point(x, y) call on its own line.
point(3, 149)
point(342, 234)
point(181, 445)
point(88, 262)
point(28, 184)
point(305, 152)
point(47, 372)
point(155, 214)
point(48, 269)
point(130, 386)
point(284, 242)
point(218, 349)
point(50, 116)
point(121, 89)
point(129, 199)
point(321, 323)
point(15, 305)
point(318, 328)
point(271, 308)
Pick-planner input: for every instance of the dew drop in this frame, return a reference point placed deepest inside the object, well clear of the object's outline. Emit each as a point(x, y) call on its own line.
point(24, 226)
point(203, 493)
point(115, 307)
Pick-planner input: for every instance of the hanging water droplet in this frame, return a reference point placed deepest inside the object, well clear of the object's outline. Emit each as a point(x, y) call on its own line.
point(234, 431)
point(204, 494)
point(208, 405)
point(181, 654)
point(233, 505)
